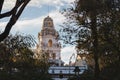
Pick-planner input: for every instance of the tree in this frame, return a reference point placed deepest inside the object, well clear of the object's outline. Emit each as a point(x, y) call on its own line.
point(17, 60)
point(15, 55)
point(43, 66)
point(87, 24)
point(14, 14)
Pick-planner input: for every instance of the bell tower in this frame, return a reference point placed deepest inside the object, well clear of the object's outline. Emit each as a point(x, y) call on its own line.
point(48, 42)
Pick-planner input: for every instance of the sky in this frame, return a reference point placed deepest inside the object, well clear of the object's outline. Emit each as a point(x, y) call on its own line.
point(30, 22)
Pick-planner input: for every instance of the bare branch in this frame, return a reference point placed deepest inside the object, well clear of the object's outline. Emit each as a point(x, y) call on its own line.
point(15, 14)
point(7, 14)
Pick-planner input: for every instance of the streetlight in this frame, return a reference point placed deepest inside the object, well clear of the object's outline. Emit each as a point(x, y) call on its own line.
point(61, 75)
point(77, 70)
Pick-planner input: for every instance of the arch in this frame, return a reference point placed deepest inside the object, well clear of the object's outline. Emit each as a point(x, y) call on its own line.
point(50, 43)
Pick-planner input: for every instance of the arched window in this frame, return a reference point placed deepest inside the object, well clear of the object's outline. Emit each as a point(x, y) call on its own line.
point(50, 24)
point(50, 43)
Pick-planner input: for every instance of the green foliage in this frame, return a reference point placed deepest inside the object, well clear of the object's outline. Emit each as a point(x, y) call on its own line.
point(87, 75)
point(111, 71)
point(94, 26)
point(17, 62)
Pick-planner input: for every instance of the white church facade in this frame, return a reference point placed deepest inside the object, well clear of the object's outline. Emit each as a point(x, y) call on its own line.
point(48, 43)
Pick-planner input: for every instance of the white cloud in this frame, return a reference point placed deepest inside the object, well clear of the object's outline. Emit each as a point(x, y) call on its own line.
point(8, 4)
point(49, 2)
point(36, 23)
point(33, 26)
point(58, 18)
point(69, 1)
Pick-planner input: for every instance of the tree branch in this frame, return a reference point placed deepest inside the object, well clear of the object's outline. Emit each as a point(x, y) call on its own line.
point(17, 11)
point(7, 14)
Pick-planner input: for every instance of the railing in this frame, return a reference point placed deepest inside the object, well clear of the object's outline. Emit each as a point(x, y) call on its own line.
point(65, 69)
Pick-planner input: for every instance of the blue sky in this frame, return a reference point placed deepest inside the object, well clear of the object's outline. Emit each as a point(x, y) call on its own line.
point(31, 19)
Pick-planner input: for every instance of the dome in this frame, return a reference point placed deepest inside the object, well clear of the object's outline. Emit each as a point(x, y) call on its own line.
point(48, 19)
point(48, 23)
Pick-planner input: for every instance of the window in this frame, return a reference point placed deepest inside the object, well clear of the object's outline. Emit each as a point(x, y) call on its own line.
point(50, 43)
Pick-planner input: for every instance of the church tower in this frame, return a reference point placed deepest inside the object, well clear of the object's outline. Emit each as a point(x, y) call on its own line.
point(48, 42)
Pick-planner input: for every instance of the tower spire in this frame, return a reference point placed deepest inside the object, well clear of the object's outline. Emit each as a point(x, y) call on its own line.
point(48, 9)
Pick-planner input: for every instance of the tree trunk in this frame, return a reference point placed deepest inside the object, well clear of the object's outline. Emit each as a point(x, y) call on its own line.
point(95, 44)
point(6, 31)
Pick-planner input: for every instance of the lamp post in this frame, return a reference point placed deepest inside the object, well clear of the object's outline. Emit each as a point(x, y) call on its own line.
point(61, 75)
point(77, 70)
point(73, 55)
